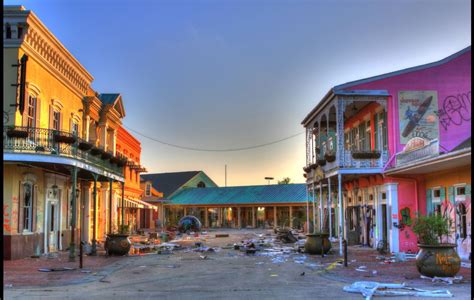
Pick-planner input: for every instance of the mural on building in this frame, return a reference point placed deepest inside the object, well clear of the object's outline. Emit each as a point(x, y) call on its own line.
point(418, 115)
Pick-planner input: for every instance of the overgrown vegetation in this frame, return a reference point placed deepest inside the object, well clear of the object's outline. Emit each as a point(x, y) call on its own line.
point(430, 229)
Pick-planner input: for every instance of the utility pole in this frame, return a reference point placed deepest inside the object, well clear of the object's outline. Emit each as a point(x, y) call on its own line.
point(269, 178)
point(225, 175)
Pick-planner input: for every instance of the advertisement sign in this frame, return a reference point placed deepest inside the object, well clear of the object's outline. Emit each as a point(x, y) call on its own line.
point(418, 115)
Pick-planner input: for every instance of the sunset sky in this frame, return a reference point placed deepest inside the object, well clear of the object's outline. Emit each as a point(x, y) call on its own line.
point(232, 74)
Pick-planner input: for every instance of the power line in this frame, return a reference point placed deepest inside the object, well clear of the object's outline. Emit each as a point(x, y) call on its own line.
point(212, 150)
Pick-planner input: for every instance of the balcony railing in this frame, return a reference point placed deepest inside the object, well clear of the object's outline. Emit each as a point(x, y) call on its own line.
point(56, 143)
point(358, 159)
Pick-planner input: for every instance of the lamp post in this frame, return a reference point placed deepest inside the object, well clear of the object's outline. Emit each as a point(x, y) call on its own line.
point(269, 178)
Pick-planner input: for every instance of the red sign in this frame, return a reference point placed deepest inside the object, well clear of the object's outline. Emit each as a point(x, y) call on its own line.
point(394, 216)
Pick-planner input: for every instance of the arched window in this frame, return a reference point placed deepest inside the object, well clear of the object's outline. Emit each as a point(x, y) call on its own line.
point(201, 185)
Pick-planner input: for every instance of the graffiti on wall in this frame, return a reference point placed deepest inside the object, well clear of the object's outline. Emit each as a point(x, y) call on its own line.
point(455, 110)
point(6, 219)
point(418, 115)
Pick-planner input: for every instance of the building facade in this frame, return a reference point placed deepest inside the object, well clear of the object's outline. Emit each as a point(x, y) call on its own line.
point(380, 145)
point(59, 145)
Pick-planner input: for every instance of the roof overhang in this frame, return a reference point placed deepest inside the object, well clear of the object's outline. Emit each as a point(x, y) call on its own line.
point(442, 162)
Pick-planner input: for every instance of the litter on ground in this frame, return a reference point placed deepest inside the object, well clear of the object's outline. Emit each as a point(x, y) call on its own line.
point(368, 289)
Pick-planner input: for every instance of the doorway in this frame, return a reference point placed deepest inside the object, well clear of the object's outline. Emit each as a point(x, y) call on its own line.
point(52, 218)
point(384, 227)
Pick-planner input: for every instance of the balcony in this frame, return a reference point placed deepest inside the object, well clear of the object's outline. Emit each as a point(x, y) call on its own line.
point(53, 143)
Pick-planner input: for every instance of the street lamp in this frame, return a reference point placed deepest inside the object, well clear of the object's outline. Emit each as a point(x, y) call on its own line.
point(269, 178)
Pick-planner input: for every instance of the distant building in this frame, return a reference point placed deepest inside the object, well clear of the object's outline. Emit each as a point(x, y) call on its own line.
point(261, 206)
point(382, 149)
point(160, 187)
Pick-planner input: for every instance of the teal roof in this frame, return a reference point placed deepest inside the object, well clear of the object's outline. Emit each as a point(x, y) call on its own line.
point(259, 194)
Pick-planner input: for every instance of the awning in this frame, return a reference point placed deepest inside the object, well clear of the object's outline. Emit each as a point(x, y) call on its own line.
point(136, 203)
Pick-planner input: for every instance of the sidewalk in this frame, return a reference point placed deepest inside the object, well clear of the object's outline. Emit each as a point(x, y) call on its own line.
point(24, 272)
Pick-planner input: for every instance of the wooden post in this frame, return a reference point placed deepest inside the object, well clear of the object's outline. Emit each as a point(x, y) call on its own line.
point(72, 245)
point(239, 221)
point(206, 218)
point(291, 216)
point(275, 218)
point(254, 223)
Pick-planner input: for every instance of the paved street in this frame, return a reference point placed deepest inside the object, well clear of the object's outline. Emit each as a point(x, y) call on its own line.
point(225, 274)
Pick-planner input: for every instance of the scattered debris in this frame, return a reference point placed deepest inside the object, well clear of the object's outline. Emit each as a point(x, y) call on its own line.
point(85, 271)
point(302, 274)
point(465, 265)
point(8, 285)
point(285, 235)
point(448, 280)
point(55, 269)
point(203, 256)
point(222, 235)
point(372, 288)
point(259, 263)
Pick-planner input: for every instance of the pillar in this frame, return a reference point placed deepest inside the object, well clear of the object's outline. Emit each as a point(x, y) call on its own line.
point(94, 218)
point(307, 210)
point(185, 210)
point(321, 220)
point(72, 245)
point(206, 218)
point(86, 212)
point(314, 208)
point(329, 207)
point(110, 205)
point(275, 218)
point(392, 196)
point(239, 221)
point(123, 203)
point(339, 198)
point(254, 223)
point(291, 216)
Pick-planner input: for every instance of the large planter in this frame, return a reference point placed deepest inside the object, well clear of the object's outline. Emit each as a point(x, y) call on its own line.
point(117, 244)
point(438, 260)
point(66, 139)
point(85, 146)
point(17, 133)
point(366, 155)
point(317, 243)
point(321, 162)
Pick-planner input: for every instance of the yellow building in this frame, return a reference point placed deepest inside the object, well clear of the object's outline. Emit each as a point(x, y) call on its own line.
point(59, 141)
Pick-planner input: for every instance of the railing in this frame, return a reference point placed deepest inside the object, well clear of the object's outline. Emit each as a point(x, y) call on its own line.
point(53, 142)
point(349, 161)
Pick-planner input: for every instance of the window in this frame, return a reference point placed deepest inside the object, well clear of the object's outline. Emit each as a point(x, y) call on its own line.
point(361, 137)
point(56, 120)
point(436, 193)
point(27, 206)
point(368, 141)
point(148, 190)
point(460, 192)
point(347, 143)
point(20, 31)
point(383, 126)
point(75, 129)
point(384, 196)
point(462, 218)
point(8, 31)
point(31, 112)
point(201, 185)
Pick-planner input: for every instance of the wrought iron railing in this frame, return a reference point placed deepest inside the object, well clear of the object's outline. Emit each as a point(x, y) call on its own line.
point(353, 161)
point(53, 142)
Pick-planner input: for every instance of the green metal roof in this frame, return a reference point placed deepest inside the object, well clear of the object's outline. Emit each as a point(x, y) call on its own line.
point(259, 194)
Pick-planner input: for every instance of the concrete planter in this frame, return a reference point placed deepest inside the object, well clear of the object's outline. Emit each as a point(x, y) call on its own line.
point(438, 260)
point(117, 244)
point(317, 243)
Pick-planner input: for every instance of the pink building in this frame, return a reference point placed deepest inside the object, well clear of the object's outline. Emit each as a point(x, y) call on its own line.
point(381, 149)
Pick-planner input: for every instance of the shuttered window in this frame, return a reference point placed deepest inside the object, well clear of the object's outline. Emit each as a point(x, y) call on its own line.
point(26, 206)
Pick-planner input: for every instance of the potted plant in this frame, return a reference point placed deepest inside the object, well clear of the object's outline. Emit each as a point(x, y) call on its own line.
point(118, 243)
point(435, 258)
point(85, 146)
point(62, 137)
point(366, 154)
point(12, 132)
point(317, 243)
point(321, 162)
point(106, 155)
point(330, 156)
point(97, 151)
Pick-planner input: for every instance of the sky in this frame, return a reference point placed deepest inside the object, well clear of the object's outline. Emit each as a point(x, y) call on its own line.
point(232, 74)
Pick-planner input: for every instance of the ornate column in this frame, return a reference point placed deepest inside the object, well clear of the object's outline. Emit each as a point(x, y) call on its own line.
point(339, 196)
point(206, 218)
point(340, 107)
point(103, 135)
point(86, 191)
point(72, 245)
point(330, 207)
point(94, 228)
point(314, 206)
point(392, 195)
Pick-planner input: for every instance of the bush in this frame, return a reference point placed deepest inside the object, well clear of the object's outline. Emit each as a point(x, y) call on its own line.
point(430, 229)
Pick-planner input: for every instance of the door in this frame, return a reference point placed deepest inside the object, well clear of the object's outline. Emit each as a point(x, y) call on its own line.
point(384, 226)
point(53, 226)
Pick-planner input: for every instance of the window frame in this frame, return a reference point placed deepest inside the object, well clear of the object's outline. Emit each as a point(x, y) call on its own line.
point(457, 197)
point(27, 210)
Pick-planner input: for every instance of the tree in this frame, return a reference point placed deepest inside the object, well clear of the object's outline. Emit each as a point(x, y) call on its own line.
point(285, 180)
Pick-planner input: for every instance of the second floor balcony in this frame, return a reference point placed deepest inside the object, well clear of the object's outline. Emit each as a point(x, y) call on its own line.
point(40, 142)
point(347, 132)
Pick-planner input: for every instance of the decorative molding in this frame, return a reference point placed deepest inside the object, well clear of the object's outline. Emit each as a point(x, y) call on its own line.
point(33, 89)
point(55, 103)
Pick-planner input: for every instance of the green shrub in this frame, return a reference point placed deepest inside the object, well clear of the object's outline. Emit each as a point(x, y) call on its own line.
point(430, 229)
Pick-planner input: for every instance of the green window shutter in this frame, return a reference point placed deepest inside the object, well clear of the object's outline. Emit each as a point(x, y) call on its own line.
point(451, 194)
point(442, 194)
point(468, 191)
point(429, 203)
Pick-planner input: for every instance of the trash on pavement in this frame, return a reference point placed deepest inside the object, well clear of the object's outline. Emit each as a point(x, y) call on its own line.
point(55, 269)
point(465, 265)
point(448, 280)
point(373, 288)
